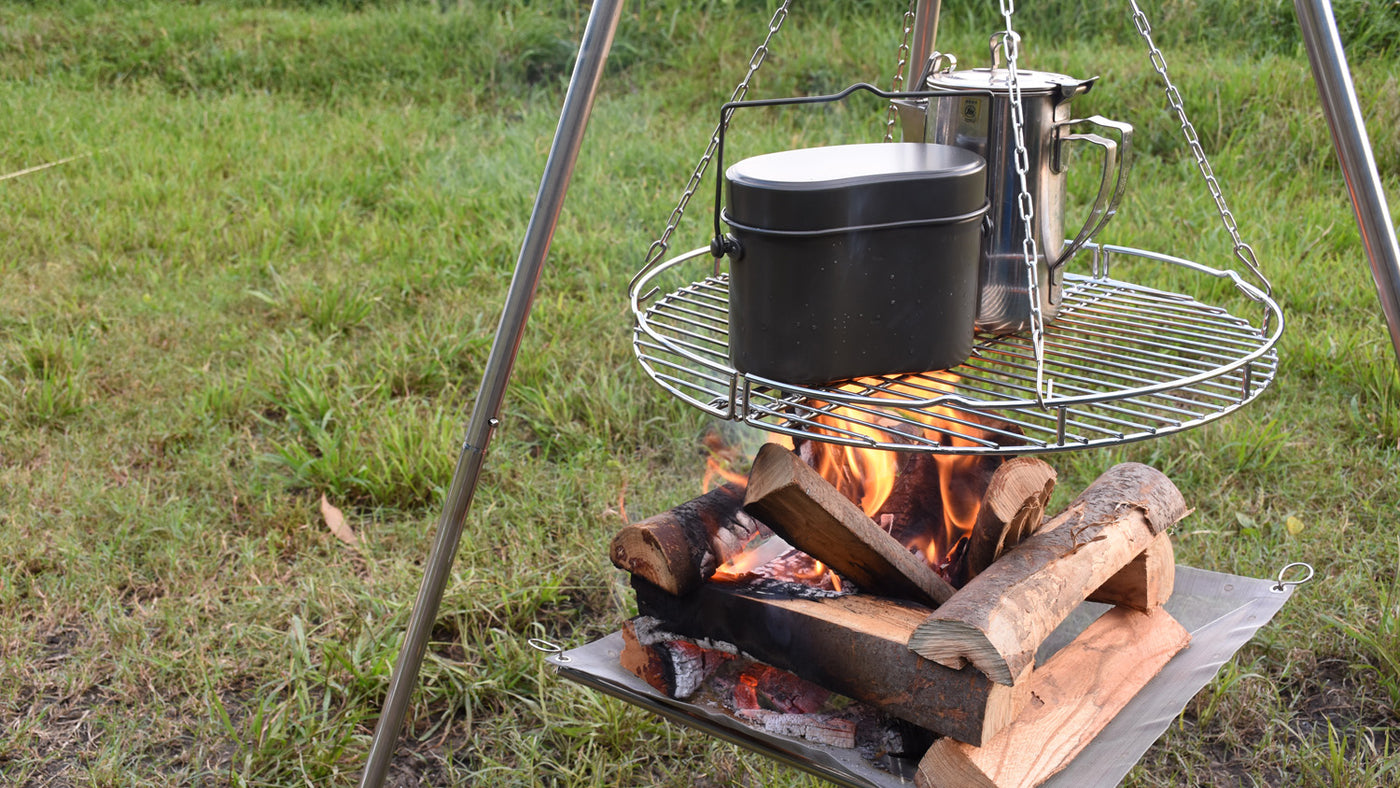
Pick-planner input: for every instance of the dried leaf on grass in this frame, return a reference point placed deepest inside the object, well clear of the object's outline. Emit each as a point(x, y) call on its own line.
point(335, 521)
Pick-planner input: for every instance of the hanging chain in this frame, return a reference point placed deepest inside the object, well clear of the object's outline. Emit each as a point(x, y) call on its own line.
point(1242, 250)
point(1011, 48)
point(897, 84)
point(658, 247)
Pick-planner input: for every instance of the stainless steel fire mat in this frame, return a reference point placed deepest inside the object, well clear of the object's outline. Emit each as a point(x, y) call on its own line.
point(1222, 612)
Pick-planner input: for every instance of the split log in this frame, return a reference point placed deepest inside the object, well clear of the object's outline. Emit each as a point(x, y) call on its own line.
point(679, 549)
point(1076, 693)
point(999, 619)
point(1013, 508)
point(1146, 582)
point(786, 495)
point(853, 644)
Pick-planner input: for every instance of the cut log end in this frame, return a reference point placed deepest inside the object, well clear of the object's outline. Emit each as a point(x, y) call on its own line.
point(1146, 582)
point(662, 556)
point(956, 644)
point(679, 549)
point(676, 668)
point(1013, 508)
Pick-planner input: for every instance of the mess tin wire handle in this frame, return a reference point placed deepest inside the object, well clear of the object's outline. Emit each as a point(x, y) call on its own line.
point(723, 244)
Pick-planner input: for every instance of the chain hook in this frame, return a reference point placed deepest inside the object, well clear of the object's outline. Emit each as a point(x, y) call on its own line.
point(658, 248)
point(1010, 46)
point(1242, 250)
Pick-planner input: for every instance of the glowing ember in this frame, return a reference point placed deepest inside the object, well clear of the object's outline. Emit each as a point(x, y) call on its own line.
point(768, 556)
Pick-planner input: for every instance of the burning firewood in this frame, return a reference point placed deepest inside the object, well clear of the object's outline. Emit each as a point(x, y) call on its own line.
point(803, 508)
point(926, 501)
point(679, 549)
point(781, 690)
point(671, 666)
point(763, 697)
point(998, 620)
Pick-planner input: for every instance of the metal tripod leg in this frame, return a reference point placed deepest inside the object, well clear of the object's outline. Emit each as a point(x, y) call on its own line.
point(568, 137)
point(1339, 105)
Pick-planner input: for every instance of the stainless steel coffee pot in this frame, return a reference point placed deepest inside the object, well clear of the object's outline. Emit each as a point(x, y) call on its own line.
point(973, 110)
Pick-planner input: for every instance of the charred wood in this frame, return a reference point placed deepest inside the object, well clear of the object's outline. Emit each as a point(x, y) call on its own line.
point(853, 644)
point(680, 548)
point(676, 668)
point(826, 729)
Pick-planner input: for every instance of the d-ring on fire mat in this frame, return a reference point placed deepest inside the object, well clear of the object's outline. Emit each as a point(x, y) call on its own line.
point(1221, 611)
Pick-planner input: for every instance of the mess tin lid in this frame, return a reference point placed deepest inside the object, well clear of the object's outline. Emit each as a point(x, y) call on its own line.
point(998, 80)
point(855, 185)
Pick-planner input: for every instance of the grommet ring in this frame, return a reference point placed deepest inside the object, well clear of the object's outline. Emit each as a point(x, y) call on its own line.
point(1284, 584)
point(545, 647)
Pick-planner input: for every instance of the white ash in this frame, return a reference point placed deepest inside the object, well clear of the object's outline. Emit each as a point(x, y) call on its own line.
point(650, 632)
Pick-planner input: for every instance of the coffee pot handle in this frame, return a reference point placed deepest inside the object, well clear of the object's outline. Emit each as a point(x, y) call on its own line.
point(1116, 161)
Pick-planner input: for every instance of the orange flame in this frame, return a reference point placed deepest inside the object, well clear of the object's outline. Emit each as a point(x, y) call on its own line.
point(741, 563)
point(724, 463)
point(867, 476)
point(716, 472)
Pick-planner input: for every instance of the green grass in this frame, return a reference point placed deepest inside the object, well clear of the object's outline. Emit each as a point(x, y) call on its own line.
point(275, 273)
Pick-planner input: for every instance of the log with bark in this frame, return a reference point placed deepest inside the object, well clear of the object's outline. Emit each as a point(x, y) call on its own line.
point(1013, 508)
point(853, 644)
point(679, 549)
point(788, 496)
point(998, 620)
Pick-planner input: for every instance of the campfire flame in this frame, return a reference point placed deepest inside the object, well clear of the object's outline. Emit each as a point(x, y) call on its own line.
point(937, 528)
point(868, 476)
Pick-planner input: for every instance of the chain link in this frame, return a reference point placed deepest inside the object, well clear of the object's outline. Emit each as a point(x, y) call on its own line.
point(658, 247)
point(1011, 48)
point(897, 83)
point(1243, 252)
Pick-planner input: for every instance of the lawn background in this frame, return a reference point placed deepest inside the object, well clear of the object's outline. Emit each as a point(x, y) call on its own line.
point(273, 274)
